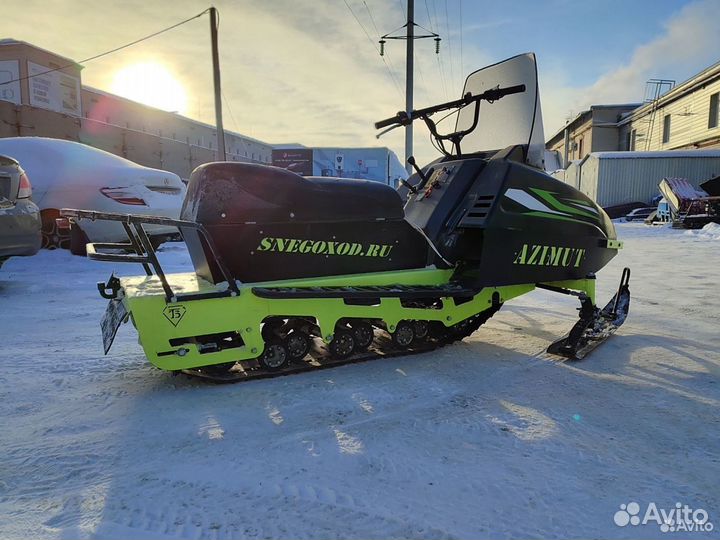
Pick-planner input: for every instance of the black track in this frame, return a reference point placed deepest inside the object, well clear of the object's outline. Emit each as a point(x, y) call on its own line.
point(320, 358)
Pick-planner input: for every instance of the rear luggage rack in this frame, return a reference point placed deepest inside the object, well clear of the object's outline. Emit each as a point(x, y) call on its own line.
point(139, 249)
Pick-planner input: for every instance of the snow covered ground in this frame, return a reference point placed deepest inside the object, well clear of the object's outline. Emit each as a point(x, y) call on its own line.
point(486, 438)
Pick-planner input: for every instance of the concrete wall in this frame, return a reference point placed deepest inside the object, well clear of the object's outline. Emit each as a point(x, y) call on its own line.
point(25, 121)
point(605, 133)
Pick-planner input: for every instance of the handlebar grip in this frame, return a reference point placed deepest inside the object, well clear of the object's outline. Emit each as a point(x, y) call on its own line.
point(520, 88)
point(497, 93)
point(387, 122)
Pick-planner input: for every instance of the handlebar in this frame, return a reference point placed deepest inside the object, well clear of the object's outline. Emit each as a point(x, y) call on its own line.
point(402, 118)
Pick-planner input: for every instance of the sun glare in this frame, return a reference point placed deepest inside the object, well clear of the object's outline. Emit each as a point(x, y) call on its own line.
point(152, 84)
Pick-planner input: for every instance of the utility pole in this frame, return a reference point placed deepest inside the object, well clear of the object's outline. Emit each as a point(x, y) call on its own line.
point(410, 37)
point(216, 85)
point(409, 79)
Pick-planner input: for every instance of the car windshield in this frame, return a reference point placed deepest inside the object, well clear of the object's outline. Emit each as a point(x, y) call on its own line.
point(514, 119)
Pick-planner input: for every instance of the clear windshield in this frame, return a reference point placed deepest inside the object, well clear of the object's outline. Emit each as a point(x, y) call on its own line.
point(514, 119)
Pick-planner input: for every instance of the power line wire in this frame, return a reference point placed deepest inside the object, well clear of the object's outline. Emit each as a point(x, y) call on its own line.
point(437, 56)
point(392, 75)
point(232, 116)
point(462, 63)
point(86, 60)
point(387, 54)
point(372, 19)
point(449, 41)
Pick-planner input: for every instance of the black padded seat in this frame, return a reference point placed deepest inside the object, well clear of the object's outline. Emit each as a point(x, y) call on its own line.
point(229, 192)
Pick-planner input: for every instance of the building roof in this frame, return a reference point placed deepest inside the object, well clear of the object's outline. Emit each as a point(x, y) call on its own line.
point(656, 155)
point(12, 41)
point(288, 146)
point(685, 87)
point(629, 106)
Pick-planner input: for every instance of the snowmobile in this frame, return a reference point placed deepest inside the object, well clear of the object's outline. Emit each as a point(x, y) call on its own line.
point(295, 273)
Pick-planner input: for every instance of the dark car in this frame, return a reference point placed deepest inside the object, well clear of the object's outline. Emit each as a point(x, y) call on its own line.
point(19, 216)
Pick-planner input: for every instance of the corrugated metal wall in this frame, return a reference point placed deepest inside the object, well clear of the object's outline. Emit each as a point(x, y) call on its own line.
point(611, 180)
point(572, 174)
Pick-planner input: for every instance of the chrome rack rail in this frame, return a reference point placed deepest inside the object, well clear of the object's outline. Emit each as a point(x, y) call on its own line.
point(139, 248)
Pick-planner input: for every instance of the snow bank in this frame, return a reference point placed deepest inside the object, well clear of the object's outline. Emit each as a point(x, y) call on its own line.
point(711, 231)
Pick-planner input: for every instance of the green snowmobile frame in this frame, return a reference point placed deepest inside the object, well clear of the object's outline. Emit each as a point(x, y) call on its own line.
point(185, 322)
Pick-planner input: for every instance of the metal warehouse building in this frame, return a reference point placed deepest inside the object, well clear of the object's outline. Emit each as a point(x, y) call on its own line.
point(612, 178)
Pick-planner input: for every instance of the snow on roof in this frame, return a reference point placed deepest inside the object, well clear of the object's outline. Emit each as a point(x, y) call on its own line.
point(287, 146)
point(664, 154)
point(12, 41)
point(616, 106)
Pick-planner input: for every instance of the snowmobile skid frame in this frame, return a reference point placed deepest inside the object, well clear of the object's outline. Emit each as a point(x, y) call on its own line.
point(231, 331)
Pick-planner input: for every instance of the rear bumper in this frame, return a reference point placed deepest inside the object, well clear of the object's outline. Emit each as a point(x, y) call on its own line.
point(20, 229)
point(109, 231)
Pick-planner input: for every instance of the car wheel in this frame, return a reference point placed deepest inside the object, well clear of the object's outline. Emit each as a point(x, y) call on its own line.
point(52, 236)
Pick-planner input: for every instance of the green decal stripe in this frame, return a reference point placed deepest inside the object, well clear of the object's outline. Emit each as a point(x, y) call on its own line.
point(552, 200)
point(555, 216)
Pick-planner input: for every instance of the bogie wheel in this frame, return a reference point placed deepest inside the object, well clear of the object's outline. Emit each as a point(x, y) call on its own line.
point(271, 329)
point(52, 236)
point(342, 344)
point(363, 334)
point(297, 344)
point(421, 329)
point(275, 356)
point(404, 334)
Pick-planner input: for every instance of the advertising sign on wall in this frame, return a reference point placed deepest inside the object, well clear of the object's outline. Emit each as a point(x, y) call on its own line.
point(54, 90)
point(298, 160)
point(360, 163)
point(10, 71)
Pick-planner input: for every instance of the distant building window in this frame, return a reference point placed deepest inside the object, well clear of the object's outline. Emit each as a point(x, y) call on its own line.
point(666, 129)
point(633, 139)
point(580, 149)
point(713, 119)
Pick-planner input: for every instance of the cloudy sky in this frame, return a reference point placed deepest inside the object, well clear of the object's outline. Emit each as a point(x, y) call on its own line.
point(308, 71)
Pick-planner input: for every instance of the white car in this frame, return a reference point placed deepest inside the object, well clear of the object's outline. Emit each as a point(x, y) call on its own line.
point(68, 174)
